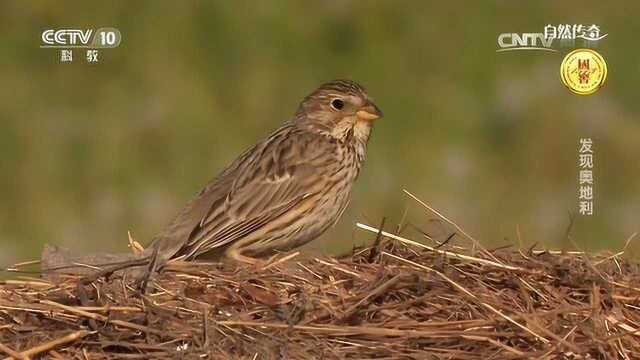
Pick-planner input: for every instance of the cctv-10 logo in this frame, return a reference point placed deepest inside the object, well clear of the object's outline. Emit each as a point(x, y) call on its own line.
point(76, 38)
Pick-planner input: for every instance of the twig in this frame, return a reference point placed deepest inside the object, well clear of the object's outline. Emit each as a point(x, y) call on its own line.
point(354, 330)
point(439, 251)
point(467, 292)
point(12, 353)
point(376, 243)
point(473, 240)
point(54, 343)
point(105, 319)
point(372, 295)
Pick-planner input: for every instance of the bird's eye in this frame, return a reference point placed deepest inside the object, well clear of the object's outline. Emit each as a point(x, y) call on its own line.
point(337, 104)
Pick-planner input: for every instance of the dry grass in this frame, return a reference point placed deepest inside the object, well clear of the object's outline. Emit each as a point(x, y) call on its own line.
point(397, 299)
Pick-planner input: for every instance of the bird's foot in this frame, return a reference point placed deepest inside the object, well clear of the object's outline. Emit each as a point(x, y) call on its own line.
point(278, 259)
point(260, 264)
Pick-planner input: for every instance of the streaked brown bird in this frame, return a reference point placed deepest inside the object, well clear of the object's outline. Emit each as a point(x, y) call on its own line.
point(286, 190)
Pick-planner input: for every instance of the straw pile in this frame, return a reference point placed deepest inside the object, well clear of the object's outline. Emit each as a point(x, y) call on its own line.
point(396, 299)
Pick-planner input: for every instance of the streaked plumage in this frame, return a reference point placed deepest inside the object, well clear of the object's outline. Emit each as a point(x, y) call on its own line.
point(286, 190)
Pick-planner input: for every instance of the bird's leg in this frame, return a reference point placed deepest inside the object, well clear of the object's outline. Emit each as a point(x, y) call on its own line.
point(235, 253)
point(106, 272)
point(152, 269)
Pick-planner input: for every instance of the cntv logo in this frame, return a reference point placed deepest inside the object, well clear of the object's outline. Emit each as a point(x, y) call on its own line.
point(524, 41)
point(568, 34)
point(69, 38)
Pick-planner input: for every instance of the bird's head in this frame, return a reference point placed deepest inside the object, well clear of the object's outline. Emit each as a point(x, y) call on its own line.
point(341, 109)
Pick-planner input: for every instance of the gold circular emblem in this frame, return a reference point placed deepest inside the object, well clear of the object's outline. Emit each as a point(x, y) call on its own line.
point(583, 71)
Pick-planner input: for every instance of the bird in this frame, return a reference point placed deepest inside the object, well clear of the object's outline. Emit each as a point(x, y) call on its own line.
point(284, 191)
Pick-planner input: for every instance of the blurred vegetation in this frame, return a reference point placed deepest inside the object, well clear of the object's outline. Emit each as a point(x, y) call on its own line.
point(89, 151)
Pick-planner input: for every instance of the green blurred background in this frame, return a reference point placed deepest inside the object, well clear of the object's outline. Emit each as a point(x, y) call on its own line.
point(90, 151)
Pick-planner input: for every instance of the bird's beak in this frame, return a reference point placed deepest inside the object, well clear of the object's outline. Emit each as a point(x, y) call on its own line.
point(369, 112)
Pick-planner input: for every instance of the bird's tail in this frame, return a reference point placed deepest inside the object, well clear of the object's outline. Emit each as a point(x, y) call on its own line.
point(56, 261)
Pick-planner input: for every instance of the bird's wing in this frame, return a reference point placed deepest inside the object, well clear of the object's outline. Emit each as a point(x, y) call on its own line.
point(264, 184)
